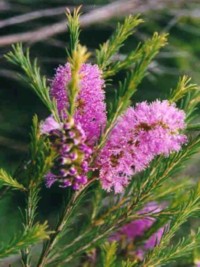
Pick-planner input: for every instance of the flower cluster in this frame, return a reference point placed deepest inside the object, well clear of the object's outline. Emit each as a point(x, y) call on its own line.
point(141, 134)
point(71, 164)
point(135, 230)
point(91, 109)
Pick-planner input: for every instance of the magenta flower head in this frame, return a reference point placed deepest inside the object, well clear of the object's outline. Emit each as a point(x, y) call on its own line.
point(71, 164)
point(141, 134)
point(134, 230)
point(91, 108)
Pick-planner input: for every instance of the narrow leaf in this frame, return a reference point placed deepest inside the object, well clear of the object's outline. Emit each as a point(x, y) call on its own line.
point(74, 29)
point(7, 180)
point(32, 76)
point(109, 251)
point(109, 48)
point(31, 236)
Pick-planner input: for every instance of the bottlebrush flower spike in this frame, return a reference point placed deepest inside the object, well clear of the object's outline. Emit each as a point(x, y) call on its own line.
point(71, 165)
point(143, 132)
point(91, 108)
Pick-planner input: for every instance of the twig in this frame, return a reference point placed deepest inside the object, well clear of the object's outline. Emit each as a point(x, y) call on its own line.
point(12, 144)
point(9, 74)
point(194, 13)
point(32, 16)
point(4, 6)
point(118, 8)
point(35, 15)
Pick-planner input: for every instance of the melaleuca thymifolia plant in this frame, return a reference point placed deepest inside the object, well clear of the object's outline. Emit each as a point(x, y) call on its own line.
point(120, 165)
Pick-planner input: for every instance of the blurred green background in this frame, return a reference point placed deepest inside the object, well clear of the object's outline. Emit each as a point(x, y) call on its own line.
point(18, 104)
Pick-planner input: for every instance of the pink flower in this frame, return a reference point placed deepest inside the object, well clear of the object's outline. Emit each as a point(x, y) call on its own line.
point(48, 125)
point(137, 229)
point(91, 108)
point(141, 134)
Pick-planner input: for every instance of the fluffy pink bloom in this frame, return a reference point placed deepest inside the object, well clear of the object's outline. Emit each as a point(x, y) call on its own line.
point(143, 132)
point(91, 109)
point(136, 229)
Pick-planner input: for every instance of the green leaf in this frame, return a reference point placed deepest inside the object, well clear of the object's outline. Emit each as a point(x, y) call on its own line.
point(7, 180)
point(74, 29)
point(163, 254)
point(41, 158)
point(193, 127)
point(41, 155)
point(109, 254)
point(109, 48)
point(127, 88)
point(151, 46)
point(182, 249)
point(79, 56)
point(32, 76)
point(162, 169)
point(52, 249)
point(128, 263)
point(184, 86)
point(29, 237)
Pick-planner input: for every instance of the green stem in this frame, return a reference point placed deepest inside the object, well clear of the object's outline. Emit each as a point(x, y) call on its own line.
point(29, 221)
point(102, 235)
point(54, 238)
point(193, 127)
point(60, 226)
point(89, 245)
